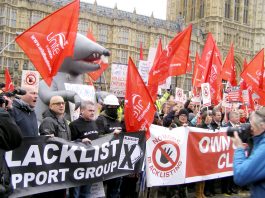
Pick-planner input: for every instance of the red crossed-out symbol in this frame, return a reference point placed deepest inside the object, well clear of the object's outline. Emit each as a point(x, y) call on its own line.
point(206, 91)
point(171, 161)
point(30, 79)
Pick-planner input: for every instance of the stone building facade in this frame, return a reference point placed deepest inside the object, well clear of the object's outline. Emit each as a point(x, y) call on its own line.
point(239, 21)
point(119, 31)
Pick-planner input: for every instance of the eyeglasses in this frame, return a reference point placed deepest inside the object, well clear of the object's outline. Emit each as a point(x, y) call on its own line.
point(59, 103)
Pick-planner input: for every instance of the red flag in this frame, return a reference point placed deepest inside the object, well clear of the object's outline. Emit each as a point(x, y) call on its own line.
point(152, 88)
point(197, 72)
point(90, 35)
point(229, 69)
point(139, 109)
point(96, 74)
point(214, 77)
point(253, 74)
point(173, 60)
point(103, 66)
point(141, 52)
point(52, 39)
point(206, 57)
point(9, 85)
point(189, 65)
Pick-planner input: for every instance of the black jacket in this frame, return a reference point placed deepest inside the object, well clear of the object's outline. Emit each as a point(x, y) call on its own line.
point(10, 138)
point(25, 118)
point(10, 134)
point(107, 124)
point(80, 129)
point(52, 125)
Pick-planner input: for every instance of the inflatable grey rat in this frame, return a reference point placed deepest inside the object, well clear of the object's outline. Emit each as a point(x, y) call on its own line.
point(71, 71)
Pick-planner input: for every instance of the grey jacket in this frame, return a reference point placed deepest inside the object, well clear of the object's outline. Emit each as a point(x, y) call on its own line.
point(52, 125)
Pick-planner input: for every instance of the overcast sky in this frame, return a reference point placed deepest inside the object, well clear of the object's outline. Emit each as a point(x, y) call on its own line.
point(143, 7)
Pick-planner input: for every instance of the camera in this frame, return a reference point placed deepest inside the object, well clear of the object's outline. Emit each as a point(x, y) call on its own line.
point(244, 131)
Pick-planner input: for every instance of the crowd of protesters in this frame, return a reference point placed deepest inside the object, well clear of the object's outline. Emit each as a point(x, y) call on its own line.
point(87, 128)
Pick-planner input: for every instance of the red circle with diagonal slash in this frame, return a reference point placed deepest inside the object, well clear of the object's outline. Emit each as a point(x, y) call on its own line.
point(31, 79)
point(206, 91)
point(172, 161)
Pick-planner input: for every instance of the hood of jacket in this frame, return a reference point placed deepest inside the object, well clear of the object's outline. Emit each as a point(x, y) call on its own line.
point(20, 104)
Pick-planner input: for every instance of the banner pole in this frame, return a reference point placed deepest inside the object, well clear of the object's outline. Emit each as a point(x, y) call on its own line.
point(105, 82)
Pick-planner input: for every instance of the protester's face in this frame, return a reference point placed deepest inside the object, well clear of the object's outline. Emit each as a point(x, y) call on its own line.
point(235, 119)
point(208, 119)
point(191, 106)
point(183, 118)
point(166, 108)
point(31, 96)
point(89, 112)
point(57, 105)
point(217, 117)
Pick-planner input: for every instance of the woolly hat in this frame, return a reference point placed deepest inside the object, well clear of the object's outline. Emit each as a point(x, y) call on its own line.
point(184, 111)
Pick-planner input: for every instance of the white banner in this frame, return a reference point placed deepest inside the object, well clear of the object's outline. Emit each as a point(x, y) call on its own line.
point(144, 68)
point(30, 77)
point(179, 95)
point(165, 164)
point(151, 55)
point(118, 79)
point(206, 94)
point(86, 92)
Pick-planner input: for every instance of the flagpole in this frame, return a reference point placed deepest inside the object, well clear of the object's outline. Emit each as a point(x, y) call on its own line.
point(105, 81)
point(184, 78)
point(2, 50)
point(7, 46)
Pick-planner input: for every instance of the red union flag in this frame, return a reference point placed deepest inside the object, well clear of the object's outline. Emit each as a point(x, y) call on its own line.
point(173, 59)
point(229, 70)
point(9, 85)
point(52, 39)
point(253, 74)
point(153, 88)
point(139, 108)
point(197, 72)
point(206, 58)
point(214, 77)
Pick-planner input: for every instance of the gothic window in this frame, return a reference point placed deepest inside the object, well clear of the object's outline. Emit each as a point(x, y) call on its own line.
point(201, 15)
point(123, 36)
point(185, 5)
point(103, 33)
point(122, 56)
point(245, 14)
point(35, 17)
point(83, 27)
point(227, 8)
point(193, 10)
point(236, 12)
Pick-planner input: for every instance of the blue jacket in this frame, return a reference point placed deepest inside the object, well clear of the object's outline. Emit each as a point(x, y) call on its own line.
point(251, 170)
point(25, 118)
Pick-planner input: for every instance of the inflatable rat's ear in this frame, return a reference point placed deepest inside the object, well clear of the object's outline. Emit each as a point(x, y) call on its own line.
point(85, 53)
